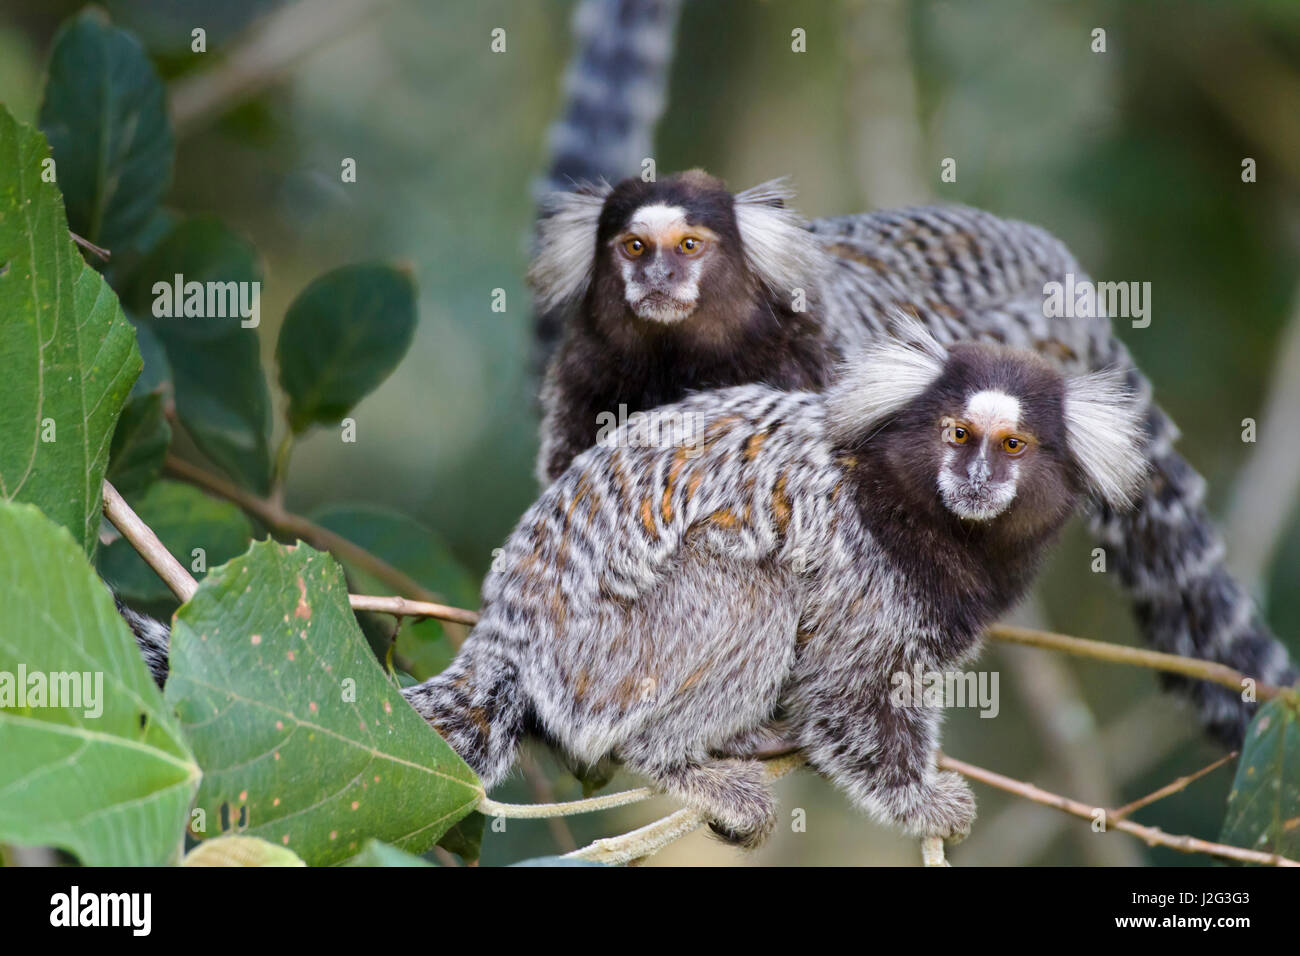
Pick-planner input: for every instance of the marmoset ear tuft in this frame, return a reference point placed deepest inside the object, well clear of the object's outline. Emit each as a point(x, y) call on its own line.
point(1105, 431)
point(778, 248)
point(880, 380)
point(566, 244)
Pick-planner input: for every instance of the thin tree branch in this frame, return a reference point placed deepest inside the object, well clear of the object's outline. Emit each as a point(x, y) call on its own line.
point(263, 55)
point(1170, 788)
point(543, 792)
point(647, 840)
point(146, 543)
point(1152, 836)
point(401, 607)
point(932, 852)
point(640, 843)
point(183, 585)
point(89, 246)
point(1116, 653)
point(288, 523)
point(539, 811)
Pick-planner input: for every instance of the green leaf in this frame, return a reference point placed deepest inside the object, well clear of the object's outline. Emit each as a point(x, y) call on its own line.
point(1264, 804)
point(420, 554)
point(342, 336)
point(465, 839)
point(68, 354)
point(157, 370)
point(140, 444)
point(302, 739)
point(112, 788)
point(375, 853)
point(184, 519)
point(223, 401)
point(220, 390)
point(240, 851)
point(107, 123)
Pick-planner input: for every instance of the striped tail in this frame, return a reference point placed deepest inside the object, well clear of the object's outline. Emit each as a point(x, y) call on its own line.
point(614, 94)
point(476, 706)
point(152, 636)
point(1170, 561)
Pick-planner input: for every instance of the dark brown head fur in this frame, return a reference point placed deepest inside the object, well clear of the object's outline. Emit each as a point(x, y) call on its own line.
point(725, 316)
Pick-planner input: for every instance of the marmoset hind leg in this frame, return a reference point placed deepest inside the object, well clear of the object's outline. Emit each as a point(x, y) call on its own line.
point(662, 684)
point(882, 755)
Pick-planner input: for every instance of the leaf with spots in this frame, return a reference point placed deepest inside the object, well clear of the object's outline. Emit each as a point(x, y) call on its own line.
point(302, 740)
point(1264, 804)
point(110, 778)
point(68, 354)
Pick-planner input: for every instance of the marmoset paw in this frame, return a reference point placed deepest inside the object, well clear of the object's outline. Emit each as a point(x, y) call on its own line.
point(743, 812)
point(948, 809)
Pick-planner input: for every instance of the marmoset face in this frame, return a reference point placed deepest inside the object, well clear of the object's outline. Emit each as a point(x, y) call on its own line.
point(667, 249)
point(661, 258)
point(985, 446)
point(988, 439)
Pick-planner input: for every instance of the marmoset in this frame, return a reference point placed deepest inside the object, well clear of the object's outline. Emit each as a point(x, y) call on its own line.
point(664, 600)
point(674, 286)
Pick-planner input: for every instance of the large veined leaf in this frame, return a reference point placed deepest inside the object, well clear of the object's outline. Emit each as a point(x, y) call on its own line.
point(110, 778)
point(342, 336)
point(302, 739)
point(68, 354)
point(1264, 804)
point(186, 521)
point(106, 119)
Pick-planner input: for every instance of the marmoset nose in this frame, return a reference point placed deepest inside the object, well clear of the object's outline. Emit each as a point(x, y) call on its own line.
point(979, 471)
point(660, 271)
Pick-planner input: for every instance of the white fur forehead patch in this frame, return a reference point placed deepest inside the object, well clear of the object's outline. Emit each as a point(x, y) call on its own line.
point(992, 409)
point(657, 218)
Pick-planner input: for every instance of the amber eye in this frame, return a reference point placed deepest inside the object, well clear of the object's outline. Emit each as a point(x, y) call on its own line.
point(956, 434)
point(1013, 445)
point(690, 246)
point(633, 247)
